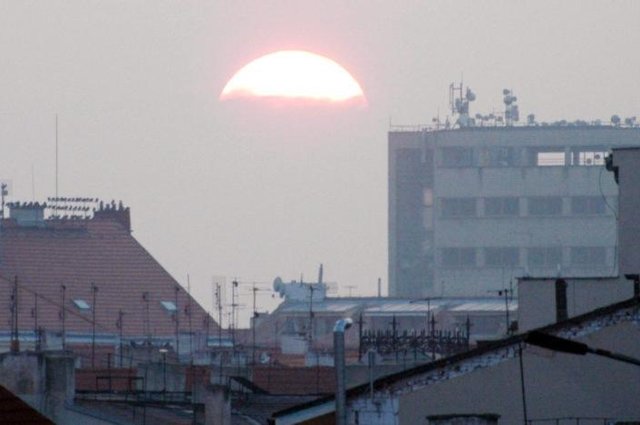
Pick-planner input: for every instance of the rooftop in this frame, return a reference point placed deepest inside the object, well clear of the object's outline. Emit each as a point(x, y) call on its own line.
point(89, 266)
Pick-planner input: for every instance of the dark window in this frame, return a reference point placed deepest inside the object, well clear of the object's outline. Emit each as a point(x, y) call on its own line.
point(458, 257)
point(457, 157)
point(547, 205)
point(458, 207)
point(505, 206)
point(588, 256)
point(504, 256)
point(549, 256)
point(588, 205)
point(501, 157)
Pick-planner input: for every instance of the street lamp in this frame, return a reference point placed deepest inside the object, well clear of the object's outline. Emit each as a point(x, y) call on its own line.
point(339, 359)
point(564, 345)
point(163, 351)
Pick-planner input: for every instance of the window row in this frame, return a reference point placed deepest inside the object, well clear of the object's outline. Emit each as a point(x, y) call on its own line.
point(511, 206)
point(533, 257)
point(510, 156)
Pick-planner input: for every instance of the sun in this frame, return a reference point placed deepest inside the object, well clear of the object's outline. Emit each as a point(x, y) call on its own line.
point(293, 74)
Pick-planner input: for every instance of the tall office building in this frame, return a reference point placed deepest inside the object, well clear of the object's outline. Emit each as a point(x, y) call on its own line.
point(473, 207)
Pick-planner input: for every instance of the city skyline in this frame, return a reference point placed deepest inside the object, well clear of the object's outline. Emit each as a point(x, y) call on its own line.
point(247, 191)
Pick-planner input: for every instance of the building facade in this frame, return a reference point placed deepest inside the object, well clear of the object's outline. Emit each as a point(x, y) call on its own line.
point(471, 209)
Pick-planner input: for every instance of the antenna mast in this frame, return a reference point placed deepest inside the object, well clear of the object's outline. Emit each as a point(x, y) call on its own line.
point(63, 316)
point(57, 196)
point(15, 342)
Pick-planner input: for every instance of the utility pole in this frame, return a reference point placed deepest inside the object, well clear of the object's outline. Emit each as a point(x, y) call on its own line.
point(94, 290)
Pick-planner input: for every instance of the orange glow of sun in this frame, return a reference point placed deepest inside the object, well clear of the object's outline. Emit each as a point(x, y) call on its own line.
point(293, 74)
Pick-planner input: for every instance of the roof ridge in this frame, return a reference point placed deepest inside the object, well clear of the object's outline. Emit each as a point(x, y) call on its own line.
point(476, 352)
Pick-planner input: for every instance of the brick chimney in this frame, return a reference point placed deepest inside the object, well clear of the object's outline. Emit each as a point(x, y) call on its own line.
point(114, 212)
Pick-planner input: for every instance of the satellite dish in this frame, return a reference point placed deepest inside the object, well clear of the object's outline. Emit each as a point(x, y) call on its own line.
point(278, 286)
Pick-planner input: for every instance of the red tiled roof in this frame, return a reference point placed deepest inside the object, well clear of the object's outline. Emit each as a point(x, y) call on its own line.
point(77, 254)
point(295, 380)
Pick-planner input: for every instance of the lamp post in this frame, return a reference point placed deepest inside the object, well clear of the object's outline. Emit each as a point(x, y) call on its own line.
point(163, 351)
point(338, 346)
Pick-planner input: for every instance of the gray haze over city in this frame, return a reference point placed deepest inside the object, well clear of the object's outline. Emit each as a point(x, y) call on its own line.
point(243, 190)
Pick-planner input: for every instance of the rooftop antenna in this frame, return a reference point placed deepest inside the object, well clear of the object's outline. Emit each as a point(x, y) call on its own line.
point(120, 326)
point(3, 192)
point(218, 304)
point(311, 318)
point(234, 305)
point(254, 289)
point(146, 324)
point(57, 197)
point(33, 184)
point(63, 317)
point(459, 100)
point(176, 317)
point(320, 274)
point(511, 111)
point(36, 329)
point(94, 291)
point(15, 341)
point(188, 312)
point(350, 288)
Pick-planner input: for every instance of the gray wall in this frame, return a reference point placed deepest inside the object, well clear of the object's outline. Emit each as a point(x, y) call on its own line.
point(556, 385)
point(627, 161)
point(537, 298)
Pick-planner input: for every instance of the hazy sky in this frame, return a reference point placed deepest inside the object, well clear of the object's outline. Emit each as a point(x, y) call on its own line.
point(251, 191)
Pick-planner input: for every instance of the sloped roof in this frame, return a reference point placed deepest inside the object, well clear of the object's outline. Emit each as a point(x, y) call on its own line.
point(624, 309)
point(15, 411)
point(78, 254)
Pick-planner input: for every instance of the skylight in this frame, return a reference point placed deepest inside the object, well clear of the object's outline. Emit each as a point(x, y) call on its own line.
point(170, 306)
point(82, 304)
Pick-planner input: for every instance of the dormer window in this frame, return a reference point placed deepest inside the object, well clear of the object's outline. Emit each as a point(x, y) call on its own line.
point(169, 306)
point(82, 304)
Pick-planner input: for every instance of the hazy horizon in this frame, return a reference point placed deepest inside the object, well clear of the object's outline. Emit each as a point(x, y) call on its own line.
point(250, 191)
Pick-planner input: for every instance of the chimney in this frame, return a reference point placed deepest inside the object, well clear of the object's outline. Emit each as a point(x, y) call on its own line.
point(217, 405)
point(118, 213)
point(561, 300)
